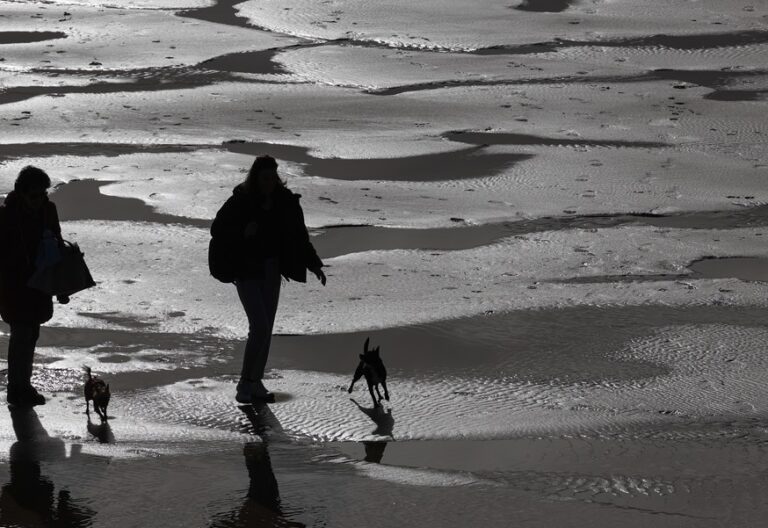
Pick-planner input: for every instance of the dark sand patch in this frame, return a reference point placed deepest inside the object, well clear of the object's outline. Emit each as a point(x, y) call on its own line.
point(27, 37)
point(537, 346)
point(506, 138)
point(141, 80)
point(257, 62)
point(696, 41)
point(456, 165)
point(341, 240)
point(82, 200)
point(13, 151)
point(742, 268)
point(715, 79)
point(738, 95)
point(545, 6)
point(221, 12)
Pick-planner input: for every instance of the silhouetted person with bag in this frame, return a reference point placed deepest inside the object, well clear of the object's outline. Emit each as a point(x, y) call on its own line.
point(258, 235)
point(30, 236)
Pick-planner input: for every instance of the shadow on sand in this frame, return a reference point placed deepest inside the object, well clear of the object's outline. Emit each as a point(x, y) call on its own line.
point(385, 424)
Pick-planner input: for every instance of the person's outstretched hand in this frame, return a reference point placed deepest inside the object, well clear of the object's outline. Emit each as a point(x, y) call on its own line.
point(63, 299)
point(319, 274)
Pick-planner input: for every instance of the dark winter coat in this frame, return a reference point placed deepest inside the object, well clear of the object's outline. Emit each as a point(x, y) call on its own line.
point(21, 231)
point(281, 233)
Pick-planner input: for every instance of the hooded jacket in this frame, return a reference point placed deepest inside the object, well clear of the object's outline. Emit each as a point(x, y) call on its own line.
point(21, 231)
point(281, 233)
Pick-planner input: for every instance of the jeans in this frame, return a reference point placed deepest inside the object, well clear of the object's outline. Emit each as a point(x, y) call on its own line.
point(21, 350)
point(259, 298)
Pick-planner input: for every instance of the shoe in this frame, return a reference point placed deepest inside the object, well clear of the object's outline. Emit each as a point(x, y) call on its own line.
point(26, 398)
point(260, 392)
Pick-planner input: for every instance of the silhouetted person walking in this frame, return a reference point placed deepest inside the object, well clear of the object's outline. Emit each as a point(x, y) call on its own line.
point(29, 228)
point(262, 227)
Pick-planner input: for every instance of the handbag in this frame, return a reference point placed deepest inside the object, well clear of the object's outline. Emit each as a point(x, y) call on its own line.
point(67, 276)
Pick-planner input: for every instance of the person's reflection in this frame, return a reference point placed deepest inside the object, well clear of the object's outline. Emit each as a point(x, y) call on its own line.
point(262, 506)
point(28, 499)
point(385, 424)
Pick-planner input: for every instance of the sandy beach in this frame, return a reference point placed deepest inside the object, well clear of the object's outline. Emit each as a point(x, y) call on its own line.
point(550, 215)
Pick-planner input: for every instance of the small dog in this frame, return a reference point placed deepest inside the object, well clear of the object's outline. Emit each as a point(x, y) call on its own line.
point(95, 389)
point(373, 369)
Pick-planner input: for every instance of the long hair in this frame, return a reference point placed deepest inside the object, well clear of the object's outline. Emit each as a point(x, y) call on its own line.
point(261, 163)
point(31, 177)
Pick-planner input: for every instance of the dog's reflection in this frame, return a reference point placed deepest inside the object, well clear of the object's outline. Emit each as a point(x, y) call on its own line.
point(29, 499)
point(262, 506)
point(385, 424)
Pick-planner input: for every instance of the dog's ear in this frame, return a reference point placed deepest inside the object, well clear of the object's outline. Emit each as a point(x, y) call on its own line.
point(365, 346)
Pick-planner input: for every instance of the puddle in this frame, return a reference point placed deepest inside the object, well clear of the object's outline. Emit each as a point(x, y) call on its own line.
point(258, 62)
point(545, 6)
point(457, 165)
point(26, 37)
point(82, 200)
point(743, 268)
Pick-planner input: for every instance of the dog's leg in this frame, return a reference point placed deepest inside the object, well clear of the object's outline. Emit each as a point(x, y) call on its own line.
point(370, 389)
point(87, 407)
point(378, 392)
point(386, 392)
point(357, 376)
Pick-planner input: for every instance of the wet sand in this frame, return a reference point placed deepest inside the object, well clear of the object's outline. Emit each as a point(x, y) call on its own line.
point(687, 481)
point(83, 200)
point(174, 456)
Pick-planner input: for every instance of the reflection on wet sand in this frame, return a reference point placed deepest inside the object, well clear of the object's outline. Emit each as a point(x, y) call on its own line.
point(262, 506)
point(29, 498)
point(385, 423)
